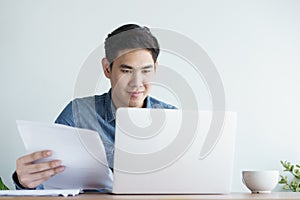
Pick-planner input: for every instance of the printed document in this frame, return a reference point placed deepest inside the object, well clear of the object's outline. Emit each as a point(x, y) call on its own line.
point(81, 151)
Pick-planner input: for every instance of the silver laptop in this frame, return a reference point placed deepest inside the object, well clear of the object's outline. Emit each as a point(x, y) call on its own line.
point(161, 151)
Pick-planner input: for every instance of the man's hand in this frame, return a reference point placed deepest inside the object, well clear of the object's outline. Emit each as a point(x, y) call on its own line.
point(32, 174)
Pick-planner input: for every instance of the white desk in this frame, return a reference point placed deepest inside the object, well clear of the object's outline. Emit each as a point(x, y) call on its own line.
point(234, 196)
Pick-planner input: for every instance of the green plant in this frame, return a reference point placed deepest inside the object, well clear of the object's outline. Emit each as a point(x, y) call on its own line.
point(2, 185)
point(293, 185)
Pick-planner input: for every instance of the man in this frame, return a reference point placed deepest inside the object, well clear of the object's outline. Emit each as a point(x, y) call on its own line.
point(130, 64)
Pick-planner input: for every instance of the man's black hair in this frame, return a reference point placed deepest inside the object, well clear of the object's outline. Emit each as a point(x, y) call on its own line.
point(130, 36)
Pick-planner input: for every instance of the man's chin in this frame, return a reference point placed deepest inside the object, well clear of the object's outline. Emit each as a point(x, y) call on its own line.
point(136, 102)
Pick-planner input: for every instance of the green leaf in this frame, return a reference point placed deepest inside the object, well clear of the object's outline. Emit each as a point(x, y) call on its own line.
point(297, 176)
point(294, 185)
point(283, 180)
point(296, 173)
point(2, 185)
point(286, 187)
point(287, 165)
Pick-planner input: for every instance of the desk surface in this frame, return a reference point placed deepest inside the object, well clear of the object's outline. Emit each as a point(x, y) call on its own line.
point(234, 196)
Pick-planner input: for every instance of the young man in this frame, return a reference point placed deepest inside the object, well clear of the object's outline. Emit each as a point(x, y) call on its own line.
point(130, 65)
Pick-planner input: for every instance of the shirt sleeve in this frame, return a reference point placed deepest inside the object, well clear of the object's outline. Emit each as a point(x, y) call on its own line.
point(66, 116)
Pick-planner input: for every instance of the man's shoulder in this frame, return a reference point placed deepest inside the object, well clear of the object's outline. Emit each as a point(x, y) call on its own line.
point(90, 99)
point(83, 106)
point(155, 103)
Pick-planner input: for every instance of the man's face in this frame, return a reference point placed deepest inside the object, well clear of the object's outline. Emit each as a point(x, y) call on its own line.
point(130, 77)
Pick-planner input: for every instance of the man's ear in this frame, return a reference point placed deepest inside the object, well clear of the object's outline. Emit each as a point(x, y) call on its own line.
point(155, 65)
point(106, 67)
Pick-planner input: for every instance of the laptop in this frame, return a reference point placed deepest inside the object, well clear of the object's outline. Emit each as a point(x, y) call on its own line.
point(163, 151)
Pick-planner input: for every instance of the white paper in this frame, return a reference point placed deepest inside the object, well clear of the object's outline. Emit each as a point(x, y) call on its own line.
point(65, 193)
point(80, 150)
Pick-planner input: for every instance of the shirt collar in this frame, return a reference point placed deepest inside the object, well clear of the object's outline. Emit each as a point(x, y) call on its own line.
point(110, 111)
point(147, 102)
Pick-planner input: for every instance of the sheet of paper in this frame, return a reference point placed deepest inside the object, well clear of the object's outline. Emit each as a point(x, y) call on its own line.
point(80, 150)
point(64, 193)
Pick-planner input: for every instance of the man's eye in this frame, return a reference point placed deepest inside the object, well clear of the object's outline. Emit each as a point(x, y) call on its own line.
point(125, 71)
point(146, 71)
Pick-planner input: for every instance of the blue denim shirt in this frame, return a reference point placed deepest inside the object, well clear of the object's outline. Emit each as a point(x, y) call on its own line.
point(97, 113)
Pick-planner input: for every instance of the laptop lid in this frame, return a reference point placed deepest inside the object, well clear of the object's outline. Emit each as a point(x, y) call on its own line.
point(160, 151)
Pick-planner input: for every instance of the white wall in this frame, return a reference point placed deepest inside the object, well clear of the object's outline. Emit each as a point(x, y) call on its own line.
point(255, 46)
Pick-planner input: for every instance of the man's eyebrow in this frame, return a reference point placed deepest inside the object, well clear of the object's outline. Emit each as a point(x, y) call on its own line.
point(124, 66)
point(147, 67)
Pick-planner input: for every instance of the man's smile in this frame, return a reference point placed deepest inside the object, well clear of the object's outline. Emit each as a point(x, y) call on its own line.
point(136, 93)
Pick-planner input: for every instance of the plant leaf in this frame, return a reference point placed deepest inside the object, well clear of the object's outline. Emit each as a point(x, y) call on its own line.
point(2, 185)
point(283, 180)
point(286, 187)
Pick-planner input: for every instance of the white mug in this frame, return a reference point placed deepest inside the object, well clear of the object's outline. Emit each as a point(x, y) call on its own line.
point(260, 181)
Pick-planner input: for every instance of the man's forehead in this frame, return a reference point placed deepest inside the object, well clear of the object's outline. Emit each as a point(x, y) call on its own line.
point(126, 51)
point(131, 52)
point(135, 58)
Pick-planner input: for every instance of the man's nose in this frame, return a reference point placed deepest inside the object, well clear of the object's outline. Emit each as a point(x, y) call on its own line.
point(136, 80)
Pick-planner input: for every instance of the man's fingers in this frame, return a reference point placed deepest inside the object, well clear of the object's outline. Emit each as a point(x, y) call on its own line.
point(33, 180)
point(32, 174)
point(33, 157)
point(47, 173)
point(39, 167)
point(34, 184)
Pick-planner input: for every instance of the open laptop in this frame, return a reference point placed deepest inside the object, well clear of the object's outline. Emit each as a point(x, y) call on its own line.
point(161, 151)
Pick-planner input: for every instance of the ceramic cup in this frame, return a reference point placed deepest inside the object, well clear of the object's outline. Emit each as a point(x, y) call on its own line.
point(260, 181)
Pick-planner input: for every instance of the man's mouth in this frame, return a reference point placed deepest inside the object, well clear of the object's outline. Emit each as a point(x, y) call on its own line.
point(136, 93)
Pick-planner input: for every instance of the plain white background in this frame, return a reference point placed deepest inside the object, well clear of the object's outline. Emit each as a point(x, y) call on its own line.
point(254, 45)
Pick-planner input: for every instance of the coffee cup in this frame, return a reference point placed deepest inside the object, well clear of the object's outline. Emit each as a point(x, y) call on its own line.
point(260, 181)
